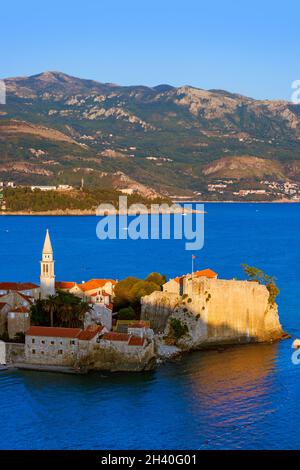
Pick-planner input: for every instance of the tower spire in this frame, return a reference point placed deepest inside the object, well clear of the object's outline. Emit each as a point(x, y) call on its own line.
point(47, 278)
point(47, 249)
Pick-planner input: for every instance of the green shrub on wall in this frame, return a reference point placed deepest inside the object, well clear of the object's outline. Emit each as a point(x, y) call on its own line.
point(178, 329)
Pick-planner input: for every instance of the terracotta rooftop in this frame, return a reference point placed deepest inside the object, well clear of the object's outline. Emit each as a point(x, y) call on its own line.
point(113, 336)
point(139, 324)
point(94, 284)
point(26, 297)
point(2, 304)
point(136, 341)
point(205, 273)
point(17, 286)
point(209, 273)
point(90, 332)
point(64, 285)
point(53, 332)
point(178, 278)
point(20, 310)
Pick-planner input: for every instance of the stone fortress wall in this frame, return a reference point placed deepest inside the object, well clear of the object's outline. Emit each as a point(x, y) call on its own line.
point(215, 311)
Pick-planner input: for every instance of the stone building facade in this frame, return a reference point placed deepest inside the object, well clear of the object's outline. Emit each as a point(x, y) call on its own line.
point(178, 284)
point(26, 288)
point(4, 309)
point(18, 321)
point(14, 313)
point(93, 348)
point(58, 346)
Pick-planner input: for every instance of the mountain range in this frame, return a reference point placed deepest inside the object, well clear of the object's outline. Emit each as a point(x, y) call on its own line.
point(56, 128)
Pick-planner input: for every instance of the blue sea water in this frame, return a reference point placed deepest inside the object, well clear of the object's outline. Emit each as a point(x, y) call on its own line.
point(244, 397)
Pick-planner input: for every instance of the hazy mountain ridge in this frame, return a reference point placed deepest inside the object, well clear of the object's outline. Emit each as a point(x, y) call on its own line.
point(161, 136)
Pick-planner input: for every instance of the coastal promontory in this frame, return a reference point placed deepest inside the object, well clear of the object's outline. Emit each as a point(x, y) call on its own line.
point(209, 312)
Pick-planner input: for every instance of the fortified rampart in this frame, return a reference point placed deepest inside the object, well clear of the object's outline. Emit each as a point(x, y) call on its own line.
point(215, 311)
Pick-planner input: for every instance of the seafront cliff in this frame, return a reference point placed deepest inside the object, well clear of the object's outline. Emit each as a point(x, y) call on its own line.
point(213, 312)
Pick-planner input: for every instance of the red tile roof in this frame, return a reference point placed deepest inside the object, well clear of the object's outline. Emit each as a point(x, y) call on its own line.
point(17, 286)
point(2, 304)
point(94, 284)
point(20, 310)
point(64, 285)
point(205, 273)
point(178, 278)
point(112, 336)
point(90, 332)
point(53, 332)
point(26, 297)
point(136, 341)
point(139, 324)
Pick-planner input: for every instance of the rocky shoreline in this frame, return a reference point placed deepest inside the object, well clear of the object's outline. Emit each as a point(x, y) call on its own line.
point(75, 212)
point(92, 212)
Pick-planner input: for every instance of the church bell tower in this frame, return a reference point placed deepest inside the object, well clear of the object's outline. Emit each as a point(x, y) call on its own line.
point(47, 278)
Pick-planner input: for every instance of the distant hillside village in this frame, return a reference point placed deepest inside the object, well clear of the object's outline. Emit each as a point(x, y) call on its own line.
point(103, 324)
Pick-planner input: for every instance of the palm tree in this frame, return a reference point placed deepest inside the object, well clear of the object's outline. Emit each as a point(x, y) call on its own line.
point(52, 306)
point(62, 309)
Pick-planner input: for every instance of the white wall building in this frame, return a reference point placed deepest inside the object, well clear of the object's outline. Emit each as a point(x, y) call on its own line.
point(43, 188)
point(59, 346)
point(100, 313)
point(2, 353)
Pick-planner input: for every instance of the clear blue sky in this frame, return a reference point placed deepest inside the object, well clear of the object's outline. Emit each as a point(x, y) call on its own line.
point(248, 47)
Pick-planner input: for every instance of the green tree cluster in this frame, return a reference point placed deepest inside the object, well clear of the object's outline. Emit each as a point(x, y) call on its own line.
point(177, 328)
point(126, 313)
point(256, 274)
point(24, 199)
point(129, 291)
point(60, 310)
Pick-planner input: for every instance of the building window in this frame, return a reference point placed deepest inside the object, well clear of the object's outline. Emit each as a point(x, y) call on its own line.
point(52, 342)
point(42, 352)
point(60, 351)
point(33, 351)
point(72, 342)
point(43, 342)
point(33, 340)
